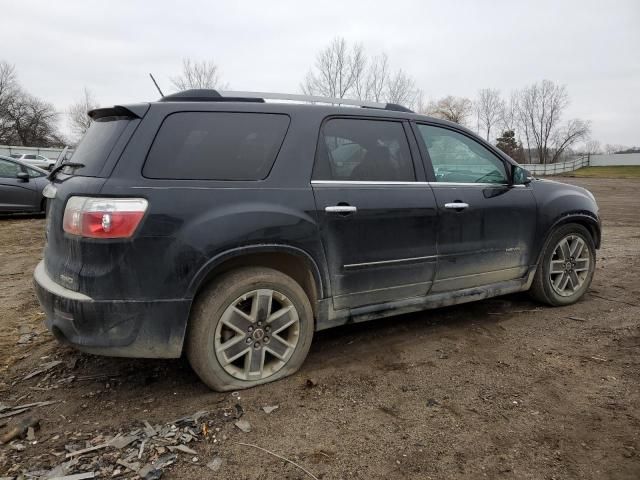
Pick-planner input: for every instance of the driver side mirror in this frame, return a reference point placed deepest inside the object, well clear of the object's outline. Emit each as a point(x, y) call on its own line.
point(22, 176)
point(520, 176)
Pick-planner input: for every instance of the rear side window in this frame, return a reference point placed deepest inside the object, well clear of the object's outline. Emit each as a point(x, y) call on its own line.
point(363, 150)
point(216, 146)
point(9, 169)
point(96, 145)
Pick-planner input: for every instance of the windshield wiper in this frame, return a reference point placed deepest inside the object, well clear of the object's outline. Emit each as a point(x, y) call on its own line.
point(52, 175)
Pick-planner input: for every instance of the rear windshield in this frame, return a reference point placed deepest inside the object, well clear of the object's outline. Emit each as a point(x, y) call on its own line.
point(216, 146)
point(96, 145)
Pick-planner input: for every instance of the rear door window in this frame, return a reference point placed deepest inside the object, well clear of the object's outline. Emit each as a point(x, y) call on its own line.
point(353, 149)
point(216, 146)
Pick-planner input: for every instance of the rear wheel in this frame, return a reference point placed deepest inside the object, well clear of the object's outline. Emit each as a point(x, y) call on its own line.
point(566, 268)
point(251, 326)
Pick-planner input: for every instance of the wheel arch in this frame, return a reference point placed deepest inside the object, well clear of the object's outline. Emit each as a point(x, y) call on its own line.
point(585, 219)
point(292, 261)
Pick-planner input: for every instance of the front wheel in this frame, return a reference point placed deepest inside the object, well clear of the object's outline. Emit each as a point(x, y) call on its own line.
point(251, 326)
point(566, 268)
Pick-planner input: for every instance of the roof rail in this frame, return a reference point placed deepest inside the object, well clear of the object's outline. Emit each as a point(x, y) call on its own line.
point(293, 97)
point(210, 95)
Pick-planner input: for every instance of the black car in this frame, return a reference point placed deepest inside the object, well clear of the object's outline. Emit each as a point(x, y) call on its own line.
point(232, 228)
point(21, 187)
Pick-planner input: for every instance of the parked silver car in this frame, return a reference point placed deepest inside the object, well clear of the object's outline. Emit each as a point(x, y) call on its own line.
point(39, 161)
point(21, 186)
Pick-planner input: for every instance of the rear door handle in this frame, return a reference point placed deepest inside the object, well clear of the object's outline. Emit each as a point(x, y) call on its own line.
point(341, 209)
point(456, 205)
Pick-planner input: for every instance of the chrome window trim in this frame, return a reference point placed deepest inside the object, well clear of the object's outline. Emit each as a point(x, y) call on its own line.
point(443, 184)
point(461, 184)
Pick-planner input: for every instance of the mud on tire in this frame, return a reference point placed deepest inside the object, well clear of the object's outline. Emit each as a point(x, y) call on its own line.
point(248, 327)
point(566, 267)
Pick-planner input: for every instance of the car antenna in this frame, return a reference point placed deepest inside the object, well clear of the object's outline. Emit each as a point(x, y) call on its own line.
point(156, 84)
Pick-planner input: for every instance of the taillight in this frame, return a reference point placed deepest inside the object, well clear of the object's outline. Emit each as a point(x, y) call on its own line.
point(103, 217)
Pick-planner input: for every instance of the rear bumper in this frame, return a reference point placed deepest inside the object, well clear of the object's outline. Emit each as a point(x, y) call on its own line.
point(122, 328)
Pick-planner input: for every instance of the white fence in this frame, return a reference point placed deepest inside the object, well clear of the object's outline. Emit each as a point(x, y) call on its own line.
point(51, 153)
point(615, 159)
point(556, 168)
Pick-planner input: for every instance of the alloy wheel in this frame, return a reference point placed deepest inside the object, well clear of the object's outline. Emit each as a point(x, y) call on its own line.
point(257, 334)
point(569, 265)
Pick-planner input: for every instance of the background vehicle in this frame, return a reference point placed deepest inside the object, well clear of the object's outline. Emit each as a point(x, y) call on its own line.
point(21, 186)
point(235, 228)
point(39, 161)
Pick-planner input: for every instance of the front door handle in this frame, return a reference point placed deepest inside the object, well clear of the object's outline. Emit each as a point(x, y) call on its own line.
point(456, 205)
point(341, 209)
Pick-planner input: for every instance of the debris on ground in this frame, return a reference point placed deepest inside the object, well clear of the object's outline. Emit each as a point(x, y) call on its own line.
point(243, 425)
point(144, 452)
point(215, 464)
point(19, 430)
point(270, 408)
point(6, 411)
point(45, 367)
point(26, 338)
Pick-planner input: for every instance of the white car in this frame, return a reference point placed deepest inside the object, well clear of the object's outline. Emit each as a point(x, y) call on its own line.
point(36, 160)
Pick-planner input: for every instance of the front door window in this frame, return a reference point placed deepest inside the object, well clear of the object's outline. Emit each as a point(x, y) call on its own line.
point(457, 158)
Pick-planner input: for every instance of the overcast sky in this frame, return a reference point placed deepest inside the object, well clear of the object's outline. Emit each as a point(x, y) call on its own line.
point(449, 48)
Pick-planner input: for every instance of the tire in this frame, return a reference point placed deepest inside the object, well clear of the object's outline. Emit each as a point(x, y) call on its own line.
point(547, 284)
point(238, 315)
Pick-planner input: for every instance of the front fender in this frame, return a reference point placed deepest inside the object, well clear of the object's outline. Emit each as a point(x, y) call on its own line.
point(559, 204)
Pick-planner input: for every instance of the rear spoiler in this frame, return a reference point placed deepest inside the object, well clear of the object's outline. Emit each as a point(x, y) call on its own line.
point(136, 110)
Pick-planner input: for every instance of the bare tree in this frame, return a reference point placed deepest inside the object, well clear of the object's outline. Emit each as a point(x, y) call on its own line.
point(592, 147)
point(420, 104)
point(24, 119)
point(343, 71)
point(8, 91)
point(509, 113)
point(33, 121)
point(610, 149)
point(204, 74)
point(454, 109)
point(78, 118)
point(489, 109)
point(521, 121)
point(401, 89)
point(371, 86)
point(337, 72)
point(540, 112)
point(573, 132)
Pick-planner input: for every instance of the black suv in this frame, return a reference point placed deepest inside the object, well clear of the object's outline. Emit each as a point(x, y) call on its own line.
point(232, 228)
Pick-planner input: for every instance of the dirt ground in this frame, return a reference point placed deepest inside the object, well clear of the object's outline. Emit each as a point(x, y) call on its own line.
point(503, 388)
